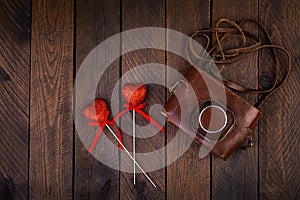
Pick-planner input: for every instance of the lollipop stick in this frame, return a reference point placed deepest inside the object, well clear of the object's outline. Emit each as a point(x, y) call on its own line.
point(130, 155)
point(133, 129)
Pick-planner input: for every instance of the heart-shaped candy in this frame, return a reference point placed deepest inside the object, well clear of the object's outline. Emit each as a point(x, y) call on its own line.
point(96, 111)
point(134, 94)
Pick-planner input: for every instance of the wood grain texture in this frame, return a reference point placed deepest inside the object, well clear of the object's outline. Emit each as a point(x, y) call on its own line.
point(3, 75)
point(51, 122)
point(40, 160)
point(14, 97)
point(95, 22)
point(143, 14)
point(279, 130)
point(188, 177)
point(236, 178)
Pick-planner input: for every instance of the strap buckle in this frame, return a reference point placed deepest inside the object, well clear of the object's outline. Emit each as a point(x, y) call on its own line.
point(248, 141)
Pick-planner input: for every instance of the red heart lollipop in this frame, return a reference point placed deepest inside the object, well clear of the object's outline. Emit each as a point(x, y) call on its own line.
point(96, 111)
point(134, 94)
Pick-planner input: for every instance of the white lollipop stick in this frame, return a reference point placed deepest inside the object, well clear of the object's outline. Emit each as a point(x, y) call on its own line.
point(130, 155)
point(133, 135)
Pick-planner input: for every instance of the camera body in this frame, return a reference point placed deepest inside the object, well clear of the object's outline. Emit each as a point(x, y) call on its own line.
point(221, 120)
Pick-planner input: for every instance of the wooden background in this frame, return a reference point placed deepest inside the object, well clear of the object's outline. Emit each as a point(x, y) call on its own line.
point(43, 43)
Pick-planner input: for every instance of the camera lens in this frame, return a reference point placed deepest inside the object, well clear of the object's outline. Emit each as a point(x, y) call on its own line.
point(213, 119)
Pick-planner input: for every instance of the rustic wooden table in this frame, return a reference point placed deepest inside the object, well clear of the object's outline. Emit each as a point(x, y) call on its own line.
point(43, 44)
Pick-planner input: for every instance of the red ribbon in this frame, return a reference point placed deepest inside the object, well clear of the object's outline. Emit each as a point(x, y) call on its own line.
point(102, 126)
point(112, 122)
point(138, 110)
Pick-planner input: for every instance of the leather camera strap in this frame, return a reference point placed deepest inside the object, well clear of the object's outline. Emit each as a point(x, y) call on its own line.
point(223, 57)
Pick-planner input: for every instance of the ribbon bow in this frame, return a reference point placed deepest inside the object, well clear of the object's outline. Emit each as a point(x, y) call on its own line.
point(102, 126)
point(138, 110)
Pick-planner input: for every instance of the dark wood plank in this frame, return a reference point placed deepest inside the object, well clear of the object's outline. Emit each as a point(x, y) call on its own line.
point(279, 160)
point(236, 178)
point(51, 124)
point(188, 177)
point(14, 96)
point(95, 22)
point(143, 14)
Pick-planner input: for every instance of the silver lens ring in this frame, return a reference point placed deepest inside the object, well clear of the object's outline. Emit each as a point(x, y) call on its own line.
point(213, 106)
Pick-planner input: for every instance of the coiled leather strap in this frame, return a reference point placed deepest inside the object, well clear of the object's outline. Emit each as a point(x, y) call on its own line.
point(220, 56)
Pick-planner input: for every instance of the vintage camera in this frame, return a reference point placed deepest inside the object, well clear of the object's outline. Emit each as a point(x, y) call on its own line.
point(220, 120)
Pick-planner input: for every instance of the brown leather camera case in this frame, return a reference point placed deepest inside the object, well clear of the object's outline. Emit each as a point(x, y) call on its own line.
point(241, 116)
